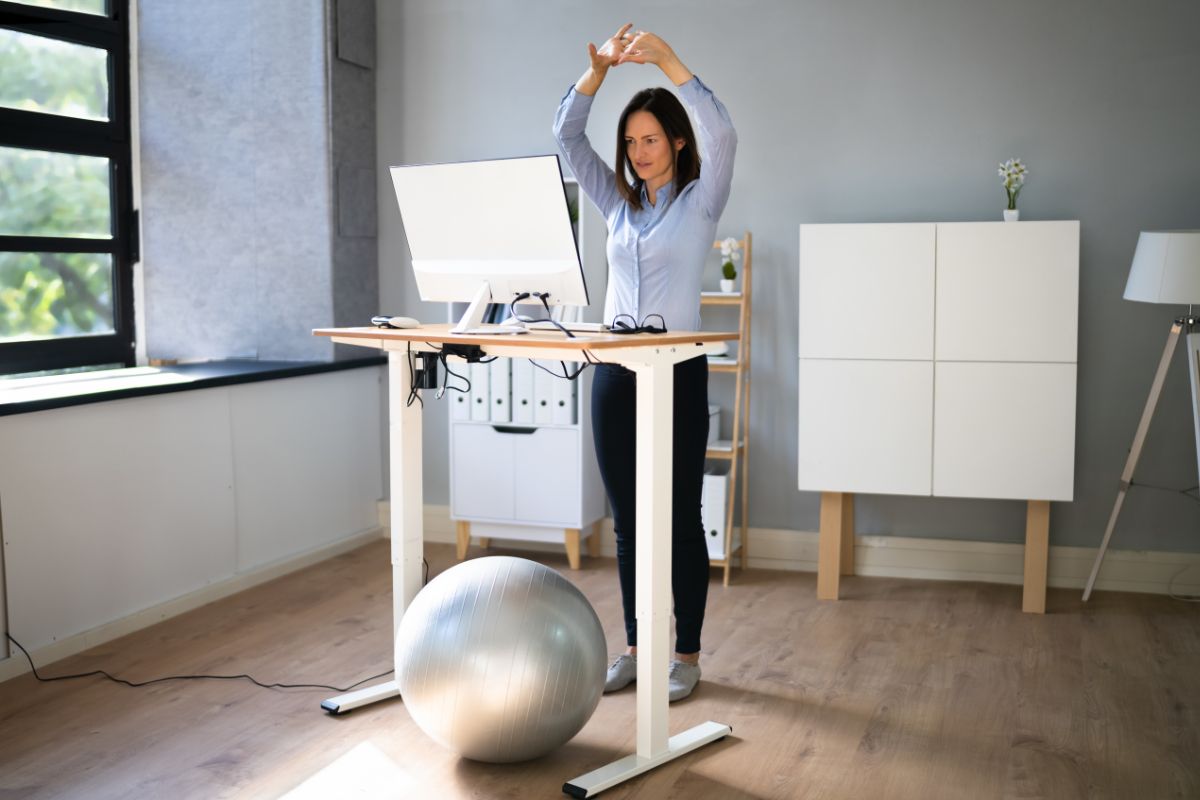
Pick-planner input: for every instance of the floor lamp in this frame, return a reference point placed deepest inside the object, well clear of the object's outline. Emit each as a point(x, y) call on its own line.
point(1166, 269)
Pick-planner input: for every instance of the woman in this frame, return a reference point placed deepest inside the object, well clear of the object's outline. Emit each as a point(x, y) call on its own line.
point(660, 229)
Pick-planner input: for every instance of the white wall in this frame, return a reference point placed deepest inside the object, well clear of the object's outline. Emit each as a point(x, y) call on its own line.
point(866, 111)
point(111, 508)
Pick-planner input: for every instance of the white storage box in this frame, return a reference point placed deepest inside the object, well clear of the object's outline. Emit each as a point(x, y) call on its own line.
point(714, 423)
point(712, 510)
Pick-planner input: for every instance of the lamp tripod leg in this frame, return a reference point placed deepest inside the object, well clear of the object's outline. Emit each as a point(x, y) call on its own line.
point(1135, 452)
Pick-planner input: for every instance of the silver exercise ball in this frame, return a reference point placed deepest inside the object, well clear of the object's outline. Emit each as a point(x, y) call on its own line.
point(500, 659)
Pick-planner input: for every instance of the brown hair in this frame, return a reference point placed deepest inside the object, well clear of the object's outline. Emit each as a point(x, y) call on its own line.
point(669, 112)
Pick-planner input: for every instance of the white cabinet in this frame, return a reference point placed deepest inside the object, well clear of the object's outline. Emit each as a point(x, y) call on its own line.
point(528, 482)
point(939, 358)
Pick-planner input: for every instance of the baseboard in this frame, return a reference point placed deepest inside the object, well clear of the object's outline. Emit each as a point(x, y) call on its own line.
point(16, 664)
point(927, 559)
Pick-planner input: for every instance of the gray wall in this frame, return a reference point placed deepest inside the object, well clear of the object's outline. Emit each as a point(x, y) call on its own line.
point(243, 250)
point(871, 111)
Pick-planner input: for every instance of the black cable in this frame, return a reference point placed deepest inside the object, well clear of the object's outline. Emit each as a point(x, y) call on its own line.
point(138, 684)
point(446, 386)
point(512, 307)
point(566, 375)
point(412, 381)
point(1185, 492)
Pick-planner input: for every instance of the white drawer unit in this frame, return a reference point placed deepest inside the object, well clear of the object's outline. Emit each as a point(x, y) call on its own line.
point(525, 481)
point(938, 359)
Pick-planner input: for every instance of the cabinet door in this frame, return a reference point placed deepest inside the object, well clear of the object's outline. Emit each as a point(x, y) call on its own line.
point(866, 291)
point(1005, 431)
point(866, 426)
point(547, 477)
point(481, 469)
point(1007, 291)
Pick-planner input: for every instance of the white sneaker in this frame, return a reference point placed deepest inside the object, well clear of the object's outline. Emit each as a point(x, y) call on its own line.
point(621, 672)
point(682, 678)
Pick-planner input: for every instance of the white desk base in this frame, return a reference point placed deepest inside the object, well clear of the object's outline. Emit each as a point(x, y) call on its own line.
point(344, 703)
point(654, 367)
point(610, 775)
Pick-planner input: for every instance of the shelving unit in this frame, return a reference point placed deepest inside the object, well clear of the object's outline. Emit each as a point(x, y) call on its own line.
point(734, 451)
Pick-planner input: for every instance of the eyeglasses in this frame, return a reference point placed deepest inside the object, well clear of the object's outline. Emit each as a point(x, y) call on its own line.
point(619, 325)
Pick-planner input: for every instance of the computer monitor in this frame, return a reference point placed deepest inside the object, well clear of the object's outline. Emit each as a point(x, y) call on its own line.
point(488, 231)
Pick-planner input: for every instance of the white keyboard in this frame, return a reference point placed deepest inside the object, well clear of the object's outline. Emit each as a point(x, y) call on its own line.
point(582, 327)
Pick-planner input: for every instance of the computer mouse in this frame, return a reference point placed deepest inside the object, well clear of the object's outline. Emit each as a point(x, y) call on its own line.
point(403, 322)
point(395, 322)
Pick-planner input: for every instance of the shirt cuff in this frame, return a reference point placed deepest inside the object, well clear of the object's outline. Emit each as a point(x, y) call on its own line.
point(576, 99)
point(694, 88)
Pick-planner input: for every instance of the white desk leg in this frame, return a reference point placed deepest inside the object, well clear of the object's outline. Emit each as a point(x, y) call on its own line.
point(407, 528)
point(655, 418)
point(655, 399)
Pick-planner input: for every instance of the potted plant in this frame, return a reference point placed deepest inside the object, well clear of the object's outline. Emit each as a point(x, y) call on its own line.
point(729, 255)
point(1012, 174)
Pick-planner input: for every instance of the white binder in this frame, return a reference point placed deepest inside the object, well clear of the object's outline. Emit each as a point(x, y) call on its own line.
point(522, 391)
point(501, 401)
point(543, 395)
point(480, 391)
point(461, 402)
point(563, 402)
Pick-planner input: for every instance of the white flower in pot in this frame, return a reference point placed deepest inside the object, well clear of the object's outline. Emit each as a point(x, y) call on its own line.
point(730, 253)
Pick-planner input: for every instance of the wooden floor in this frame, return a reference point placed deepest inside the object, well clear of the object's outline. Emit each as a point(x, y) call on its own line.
point(904, 689)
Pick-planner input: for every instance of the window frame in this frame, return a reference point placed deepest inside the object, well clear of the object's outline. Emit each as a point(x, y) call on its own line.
point(111, 139)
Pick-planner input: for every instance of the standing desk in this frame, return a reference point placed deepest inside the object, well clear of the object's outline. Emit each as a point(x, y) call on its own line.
point(652, 358)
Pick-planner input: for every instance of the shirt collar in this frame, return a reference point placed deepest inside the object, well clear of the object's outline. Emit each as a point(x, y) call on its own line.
point(665, 193)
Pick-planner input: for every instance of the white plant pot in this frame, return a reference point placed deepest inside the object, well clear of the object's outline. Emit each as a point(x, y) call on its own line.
point(726, 286)
point(1012, 214)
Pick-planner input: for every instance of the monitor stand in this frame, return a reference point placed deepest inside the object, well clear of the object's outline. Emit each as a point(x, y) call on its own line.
point(471, 322)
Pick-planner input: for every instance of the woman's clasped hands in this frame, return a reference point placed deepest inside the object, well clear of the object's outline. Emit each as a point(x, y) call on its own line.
point(638, 47)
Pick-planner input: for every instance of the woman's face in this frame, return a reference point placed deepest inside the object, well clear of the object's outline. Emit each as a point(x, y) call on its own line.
point(649, 150)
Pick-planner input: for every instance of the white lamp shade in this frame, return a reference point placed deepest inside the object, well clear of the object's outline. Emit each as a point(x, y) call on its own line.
point(1166, 268)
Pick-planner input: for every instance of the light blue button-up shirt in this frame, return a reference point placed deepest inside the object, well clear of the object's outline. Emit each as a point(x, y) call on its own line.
point(656, 255)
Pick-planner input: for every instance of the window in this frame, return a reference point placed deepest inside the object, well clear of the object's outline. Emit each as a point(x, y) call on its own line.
point(68, 231)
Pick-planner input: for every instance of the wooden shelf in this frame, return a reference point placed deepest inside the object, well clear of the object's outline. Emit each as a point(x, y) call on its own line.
point(722, 364)
point(720, 298)
point(724, 450)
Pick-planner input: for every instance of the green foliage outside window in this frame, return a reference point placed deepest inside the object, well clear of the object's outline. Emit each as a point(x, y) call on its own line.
point(54, 194)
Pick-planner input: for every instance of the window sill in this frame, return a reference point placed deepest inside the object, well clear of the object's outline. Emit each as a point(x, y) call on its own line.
point(24, 395)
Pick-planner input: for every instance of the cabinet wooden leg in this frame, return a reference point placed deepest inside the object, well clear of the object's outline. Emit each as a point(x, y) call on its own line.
point(464, 538)
point(847, 562)
point(1037, 553)
point(836, 528)
point(572, 541)
point(484, 543)
point(593, 540)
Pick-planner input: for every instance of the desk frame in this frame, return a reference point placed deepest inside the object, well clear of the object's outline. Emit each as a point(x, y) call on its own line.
point(652, 358)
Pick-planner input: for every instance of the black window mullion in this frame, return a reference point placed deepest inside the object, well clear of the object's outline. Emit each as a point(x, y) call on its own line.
point(37, 131)
point(56, 244)
point(94, 29)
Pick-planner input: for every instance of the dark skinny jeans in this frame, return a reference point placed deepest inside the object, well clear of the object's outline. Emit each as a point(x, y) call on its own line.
point(614, 412)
